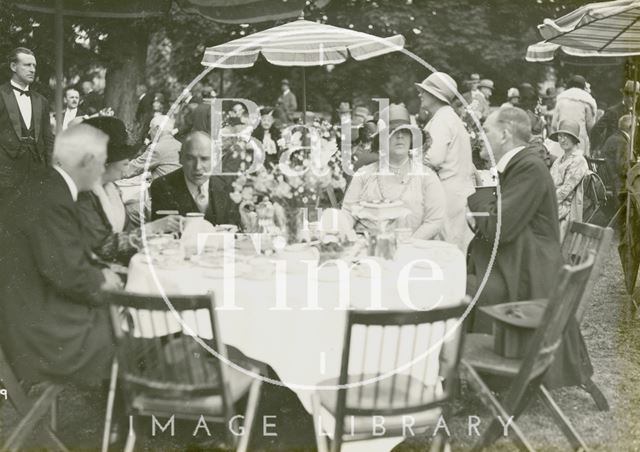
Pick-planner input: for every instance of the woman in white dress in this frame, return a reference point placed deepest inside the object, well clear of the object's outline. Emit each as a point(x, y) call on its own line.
point(412, 183)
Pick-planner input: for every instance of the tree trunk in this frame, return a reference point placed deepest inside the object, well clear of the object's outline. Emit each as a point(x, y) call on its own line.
point(128, 50)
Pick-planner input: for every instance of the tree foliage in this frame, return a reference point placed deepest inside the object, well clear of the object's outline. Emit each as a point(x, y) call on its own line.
point(459, 37)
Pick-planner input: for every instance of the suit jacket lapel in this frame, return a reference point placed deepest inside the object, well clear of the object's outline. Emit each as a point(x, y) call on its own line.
point(219, 199)
point(182, 191)
point(12, 107)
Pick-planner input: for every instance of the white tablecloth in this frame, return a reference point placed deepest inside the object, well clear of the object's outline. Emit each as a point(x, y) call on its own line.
point(303, 344)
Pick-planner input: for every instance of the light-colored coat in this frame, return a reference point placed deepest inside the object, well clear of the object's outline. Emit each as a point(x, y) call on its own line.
point(578, 105)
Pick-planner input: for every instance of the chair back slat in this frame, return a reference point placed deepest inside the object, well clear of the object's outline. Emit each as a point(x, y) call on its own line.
point(580, 240)
point(562, 305)
point(156, 349)
point(392, 393)
point(379, 342)
point(413, 353)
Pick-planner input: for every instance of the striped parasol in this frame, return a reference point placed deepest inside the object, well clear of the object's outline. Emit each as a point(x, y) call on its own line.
point(611, 28)
point(545, 51)
point(300, 43)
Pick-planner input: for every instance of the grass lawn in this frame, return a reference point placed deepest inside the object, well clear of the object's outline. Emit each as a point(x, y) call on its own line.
point(613, 339)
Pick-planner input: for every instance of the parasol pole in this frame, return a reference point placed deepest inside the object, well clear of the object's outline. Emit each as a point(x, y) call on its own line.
point(632, 139)
point(59, 63)
point(304, 96)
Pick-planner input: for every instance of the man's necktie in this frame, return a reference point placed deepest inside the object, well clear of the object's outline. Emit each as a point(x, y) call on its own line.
point(201, 199)
point(23, 92)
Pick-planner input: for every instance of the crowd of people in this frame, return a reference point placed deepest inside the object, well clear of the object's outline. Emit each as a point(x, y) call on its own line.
point(64, 219)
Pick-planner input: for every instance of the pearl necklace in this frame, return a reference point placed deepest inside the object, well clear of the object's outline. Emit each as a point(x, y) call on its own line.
point(397, 172)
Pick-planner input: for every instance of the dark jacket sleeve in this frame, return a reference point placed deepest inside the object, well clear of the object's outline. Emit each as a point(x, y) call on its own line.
point(604, 128)
point(160, 197)
point(521, 192)
point(47, 133)
point(61, 257)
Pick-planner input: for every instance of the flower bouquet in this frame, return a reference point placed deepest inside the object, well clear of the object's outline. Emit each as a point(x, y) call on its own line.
point(270, 199)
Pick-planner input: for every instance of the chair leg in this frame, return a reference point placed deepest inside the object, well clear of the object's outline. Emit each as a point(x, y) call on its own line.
point(597, 395)
point(110, 401)
point(562, 421)
point(488, 399)
point(250, 414)
point(131, 437)
point(321, 441)
point(54, 415)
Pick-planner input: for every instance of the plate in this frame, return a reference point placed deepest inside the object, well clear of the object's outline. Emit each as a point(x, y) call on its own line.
point(381, 204)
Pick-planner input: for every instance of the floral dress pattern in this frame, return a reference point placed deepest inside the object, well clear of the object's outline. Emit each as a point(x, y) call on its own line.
point(567, 173)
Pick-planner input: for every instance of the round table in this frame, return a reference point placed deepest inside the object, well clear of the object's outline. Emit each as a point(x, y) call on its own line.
point(294, 320)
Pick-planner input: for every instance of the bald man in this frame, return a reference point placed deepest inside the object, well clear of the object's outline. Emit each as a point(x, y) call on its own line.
point(54, 324)
point(528, 254)
point(193, 188)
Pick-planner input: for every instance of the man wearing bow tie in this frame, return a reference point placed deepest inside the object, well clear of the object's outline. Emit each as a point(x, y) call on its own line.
point(26, 140)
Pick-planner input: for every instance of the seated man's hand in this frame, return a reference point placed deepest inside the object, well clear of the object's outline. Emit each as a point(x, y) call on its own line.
point(111, 280)
point(170, 223)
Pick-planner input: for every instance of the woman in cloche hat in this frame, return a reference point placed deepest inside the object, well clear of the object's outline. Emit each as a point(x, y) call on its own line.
point(102, 210)
point(567, 173)
point(419, 191)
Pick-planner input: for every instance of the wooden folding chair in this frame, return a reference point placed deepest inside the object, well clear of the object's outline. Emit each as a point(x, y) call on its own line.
point(164, 371)
point(31, 411)
point(582, 239)
point(418, 380)
point(527, 373)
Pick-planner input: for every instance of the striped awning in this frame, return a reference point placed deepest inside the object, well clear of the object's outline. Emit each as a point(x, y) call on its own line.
point(610, 28)
point(300, 43)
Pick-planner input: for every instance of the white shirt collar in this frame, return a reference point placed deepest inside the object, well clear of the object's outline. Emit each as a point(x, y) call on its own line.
point(73, 188)
point(194, 189)
point(506, 158)
point(17, 85)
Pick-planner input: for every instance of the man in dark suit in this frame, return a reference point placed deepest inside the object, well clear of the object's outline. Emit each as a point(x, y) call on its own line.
point(26, 139)
point(192, 188)
point(91, 101)
point(286, 103)
point(608, 124)
point(528, 253)
point(528, 256)
point(53, 322)
point(72, 110)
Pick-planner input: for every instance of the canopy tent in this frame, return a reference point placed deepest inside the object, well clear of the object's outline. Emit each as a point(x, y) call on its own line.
point(228, 11)
point(300, 43)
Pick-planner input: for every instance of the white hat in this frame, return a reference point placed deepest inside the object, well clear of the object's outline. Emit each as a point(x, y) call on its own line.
point(441, 86)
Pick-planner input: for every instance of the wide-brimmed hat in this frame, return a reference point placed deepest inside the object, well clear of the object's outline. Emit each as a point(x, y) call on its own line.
point(441, 86)
point(344, 108)
point(118, 147)
point(630, 86)
point(568, 126)
point(398, 117)
point(513, 92)
point(361, 113)
point(486, 83)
